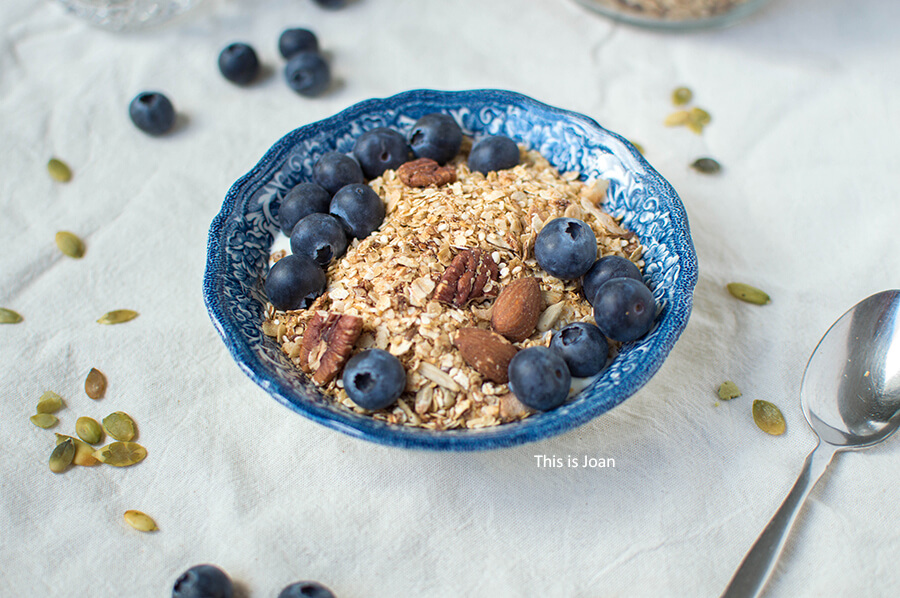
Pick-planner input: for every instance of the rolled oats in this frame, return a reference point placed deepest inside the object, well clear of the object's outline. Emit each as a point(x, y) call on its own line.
point(390, 280)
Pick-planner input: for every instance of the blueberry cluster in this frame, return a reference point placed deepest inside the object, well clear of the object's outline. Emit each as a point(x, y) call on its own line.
point(322, 216)
point(306, 72)
point(624, 310)
point(209, 581)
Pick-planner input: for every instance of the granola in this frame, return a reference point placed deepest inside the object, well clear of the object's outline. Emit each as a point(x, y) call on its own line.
point(390, 280)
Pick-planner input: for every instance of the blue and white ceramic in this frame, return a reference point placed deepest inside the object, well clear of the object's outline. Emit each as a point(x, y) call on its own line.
point(242, 232)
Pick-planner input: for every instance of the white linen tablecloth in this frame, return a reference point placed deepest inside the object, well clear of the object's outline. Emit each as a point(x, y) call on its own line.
point(804, 101)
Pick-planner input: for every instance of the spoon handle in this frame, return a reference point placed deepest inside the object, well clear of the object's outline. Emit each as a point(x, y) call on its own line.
point(757, 566)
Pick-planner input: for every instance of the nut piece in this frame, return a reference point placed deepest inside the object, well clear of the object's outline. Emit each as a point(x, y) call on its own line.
point(424, 172)
point(517, 309)
point(487, 352)
point(465, 278)
point(140, 521)
point(327, 343)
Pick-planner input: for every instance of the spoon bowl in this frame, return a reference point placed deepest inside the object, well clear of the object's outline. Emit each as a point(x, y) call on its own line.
point(850, 396)
point(851, 388)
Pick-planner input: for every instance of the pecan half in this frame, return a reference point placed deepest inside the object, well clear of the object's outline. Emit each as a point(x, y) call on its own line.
point(465, 278)
point(425, 171)
point(327, 343)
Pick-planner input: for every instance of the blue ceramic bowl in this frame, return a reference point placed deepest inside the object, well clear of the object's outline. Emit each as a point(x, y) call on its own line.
point(242, 232)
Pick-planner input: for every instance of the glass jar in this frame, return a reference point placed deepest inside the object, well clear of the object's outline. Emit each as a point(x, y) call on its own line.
point(675, 14)
point(127, 15)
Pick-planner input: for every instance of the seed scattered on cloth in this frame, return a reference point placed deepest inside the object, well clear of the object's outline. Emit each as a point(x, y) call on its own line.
point(706, 166)
point(95, 384)
point(140, 521)
point(768, 417)
point(59, 170)
point(117, 316)
point(70, 244)
point(8, 316)
point(747, 293)
point(728, 390)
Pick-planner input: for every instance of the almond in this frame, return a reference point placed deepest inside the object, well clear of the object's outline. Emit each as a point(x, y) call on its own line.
point(487, 352)
point(517, 309)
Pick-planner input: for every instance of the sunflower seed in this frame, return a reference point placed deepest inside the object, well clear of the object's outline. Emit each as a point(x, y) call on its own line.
point(681, 96)
point(50, 402)
point(44, 420)
point(768, 417)
point(8, 316)
point(728, 390)
point(70, 244)
point(121, 454)
point(89, 429)
point(84, 453)
point(706, 166)
point(62, 455)
point(745, 292)
point(120, 426)
point(140, 521)
point(95, 384)
point(117, 316)
point(59, 170)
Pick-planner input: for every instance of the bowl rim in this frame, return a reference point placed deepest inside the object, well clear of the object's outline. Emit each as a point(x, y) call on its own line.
point(368, 428)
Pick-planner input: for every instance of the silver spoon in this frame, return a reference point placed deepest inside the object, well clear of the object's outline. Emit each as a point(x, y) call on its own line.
point(850, 396)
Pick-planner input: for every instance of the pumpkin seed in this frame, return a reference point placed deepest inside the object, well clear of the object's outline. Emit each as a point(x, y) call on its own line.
point(59, 170)
point(95, 384)
point(8, 316)
point(681, 96)
point(706, 166)
point(44, 420)
point(677, 118)
point(120, 426)
point(638, 147)
point(728, 390)
point(768, 417)
point(50, 402)
point(62, 455)
point(70, 244)
point(121, 454)
point(745, 292)
point(89, 429)
point(84, 453)
point(117, 316)
point(140, 521)
point(701, 116)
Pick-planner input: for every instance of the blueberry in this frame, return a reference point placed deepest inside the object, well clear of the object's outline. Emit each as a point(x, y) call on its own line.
point(582, 346)
point(238, 63)
point(539, 378)
point(306, 589)
point(436, 136)
point(152, 112)
point(374, 379)
point(294, 282)
point(359, 209)
point(380, 149)
point(331, 4)
point(624, 309)
point(335, 170)
point(319, 237)
point(294, 41)
point(606, 268)
point(493, 153)
point(307, 73)
point(203, 581)
point(566, 248)
point(303, 200)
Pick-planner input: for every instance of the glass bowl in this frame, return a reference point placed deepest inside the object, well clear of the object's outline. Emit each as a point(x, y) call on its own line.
point(675, 14)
